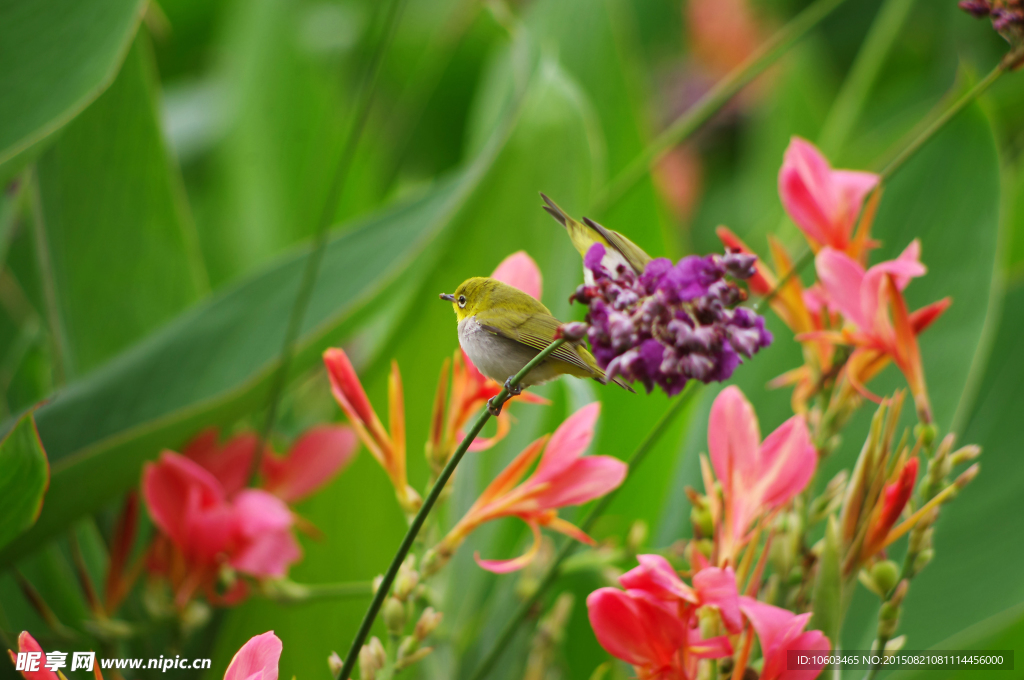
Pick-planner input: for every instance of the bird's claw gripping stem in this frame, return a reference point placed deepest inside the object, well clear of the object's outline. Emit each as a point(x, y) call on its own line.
point(492, 409)
point(514, 390)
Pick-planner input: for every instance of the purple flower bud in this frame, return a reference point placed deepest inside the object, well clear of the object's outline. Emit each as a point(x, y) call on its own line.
point(655, 271)
point(621, 330)
point(739, 265)
point(697, 366)
point(573, 331)
point(977, 8)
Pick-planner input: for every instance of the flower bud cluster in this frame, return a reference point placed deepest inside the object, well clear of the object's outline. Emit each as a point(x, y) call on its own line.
point(672, 323)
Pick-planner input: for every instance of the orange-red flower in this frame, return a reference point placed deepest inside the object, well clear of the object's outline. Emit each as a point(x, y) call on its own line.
point(563, 477)
point(894, 498)
point(387, 448)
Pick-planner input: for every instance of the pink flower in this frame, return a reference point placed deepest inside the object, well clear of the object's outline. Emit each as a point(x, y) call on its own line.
point(563, 477)
point(641, 633)
point(778, 631)
point(653, 625)
point(756, 476)
point(257, 659)
point(204, 528)
point(316, 457)
point(879, 326)
point(519, 270)
point(823, 202)
point(28, 645)
point(388, 448)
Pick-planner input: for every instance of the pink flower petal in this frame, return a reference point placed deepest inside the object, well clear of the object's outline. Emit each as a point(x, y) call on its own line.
point(27, 643)
point(317, 456)
point(173, 483)
point(805, 187)
point(636, 631)
point(717, 587)
point(842, 278)
point(519, 270)
point(259, 511)
point(569, 442)
point(788, 459)
point(902, 269)
point(656, 576)
point(347, 388)
point(260, 655)
point(779, 630)
point(268, 554)
point(852, 188)
point(230, 464)
point(734, 435)
point(584, 480)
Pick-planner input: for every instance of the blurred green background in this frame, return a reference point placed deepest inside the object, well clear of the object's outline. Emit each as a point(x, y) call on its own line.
point(164, 166)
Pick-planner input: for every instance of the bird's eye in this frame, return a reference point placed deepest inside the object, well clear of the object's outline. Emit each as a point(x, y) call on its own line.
point(462, 301)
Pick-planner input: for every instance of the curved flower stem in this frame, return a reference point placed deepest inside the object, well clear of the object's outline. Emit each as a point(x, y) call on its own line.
point(424, 511)
point(694, 117)
point(569, 545)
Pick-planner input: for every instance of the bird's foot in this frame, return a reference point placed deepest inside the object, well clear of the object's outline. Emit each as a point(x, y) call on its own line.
point(514, 390)
point(492, 409)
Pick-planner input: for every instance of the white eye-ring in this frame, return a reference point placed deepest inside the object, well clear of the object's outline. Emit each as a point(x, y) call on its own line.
point(462, 301)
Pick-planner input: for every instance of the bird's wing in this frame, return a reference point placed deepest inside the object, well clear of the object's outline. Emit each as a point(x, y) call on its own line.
point(536, 331)
point(634, 254)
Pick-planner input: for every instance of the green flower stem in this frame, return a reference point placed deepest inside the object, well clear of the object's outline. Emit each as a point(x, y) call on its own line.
point(569, 545)
point(424, 511)
point(690, 121)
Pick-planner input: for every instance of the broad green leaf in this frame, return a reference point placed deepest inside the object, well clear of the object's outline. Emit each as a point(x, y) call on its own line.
point(120, 240)
point(24, 475)
point(57, 56)
point(213, 363)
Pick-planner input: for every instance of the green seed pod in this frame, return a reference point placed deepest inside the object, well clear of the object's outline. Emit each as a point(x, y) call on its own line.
point(394, 615)
point(885, 575)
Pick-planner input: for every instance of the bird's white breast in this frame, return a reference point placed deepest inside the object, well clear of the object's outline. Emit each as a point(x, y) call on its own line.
point(499, 358)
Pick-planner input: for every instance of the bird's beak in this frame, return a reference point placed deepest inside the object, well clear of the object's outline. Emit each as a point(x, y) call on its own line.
point(447, 296)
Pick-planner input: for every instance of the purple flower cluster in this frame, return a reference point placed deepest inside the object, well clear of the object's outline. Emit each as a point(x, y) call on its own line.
point(673, 322)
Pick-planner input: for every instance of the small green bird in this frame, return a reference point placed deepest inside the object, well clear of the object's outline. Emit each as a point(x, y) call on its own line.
point(501, 329)
point(618, 248)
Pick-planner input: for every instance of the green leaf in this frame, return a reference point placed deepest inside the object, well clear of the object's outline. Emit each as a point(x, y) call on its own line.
point(113, 212)
point(58, 55)
point(827, 599)
point(24, 475)
point(213, 363)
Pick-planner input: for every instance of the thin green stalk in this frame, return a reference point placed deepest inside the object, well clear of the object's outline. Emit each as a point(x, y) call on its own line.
point(424, 511)
point(690, 121)
point(310, 272)
point(863, 74)
point(567, 547)
point(940, 122)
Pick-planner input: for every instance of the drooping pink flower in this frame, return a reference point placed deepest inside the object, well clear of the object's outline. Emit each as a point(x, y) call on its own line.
point(257, 659)
point(313, 460)
point(519, 270)
point(641, 633)
point(878, 323)
point(823, 202)
point(661, 600)
point(28, 645)
point(388, 448)
point(203, 529)
point(563, 477)
point(756, 476)
point(780, 630)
